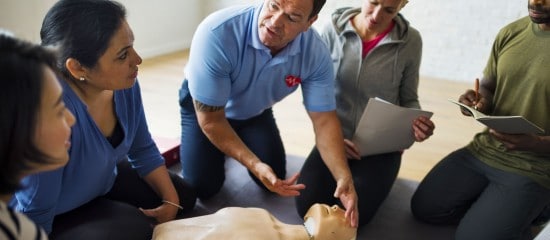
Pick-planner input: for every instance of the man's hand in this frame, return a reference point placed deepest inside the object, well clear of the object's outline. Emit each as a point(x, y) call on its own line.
point(345, 191)
point(285, 188)
point(522, 142)
point(481, 97)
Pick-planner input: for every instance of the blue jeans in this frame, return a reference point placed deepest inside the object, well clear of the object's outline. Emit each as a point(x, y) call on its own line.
point(203, 164)
point(485, 202)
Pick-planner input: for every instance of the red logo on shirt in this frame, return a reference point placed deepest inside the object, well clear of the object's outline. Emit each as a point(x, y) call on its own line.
point(292, 81)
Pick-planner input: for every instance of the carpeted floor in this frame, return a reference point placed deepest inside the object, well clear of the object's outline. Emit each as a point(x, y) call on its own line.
point(392, 222)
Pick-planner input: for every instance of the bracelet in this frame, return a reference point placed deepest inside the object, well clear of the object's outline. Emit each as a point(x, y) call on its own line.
point(173, 204)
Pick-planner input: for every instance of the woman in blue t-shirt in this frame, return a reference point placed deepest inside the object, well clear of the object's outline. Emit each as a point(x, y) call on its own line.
point(115, 185)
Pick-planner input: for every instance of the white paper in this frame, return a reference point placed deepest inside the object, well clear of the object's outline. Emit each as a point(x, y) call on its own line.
point(544, 234)
point(385, 127)
point(504, 124)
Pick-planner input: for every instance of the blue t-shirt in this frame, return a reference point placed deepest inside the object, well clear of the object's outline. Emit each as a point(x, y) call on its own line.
point(91, 170)
point(229, 66)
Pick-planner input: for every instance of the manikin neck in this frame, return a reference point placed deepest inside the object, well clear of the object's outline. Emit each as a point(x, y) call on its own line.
point(292, 231)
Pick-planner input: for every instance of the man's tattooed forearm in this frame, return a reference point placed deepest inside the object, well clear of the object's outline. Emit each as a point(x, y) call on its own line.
point(201, 107)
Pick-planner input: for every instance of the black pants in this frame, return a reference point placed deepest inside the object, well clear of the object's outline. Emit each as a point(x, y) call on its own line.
point(485, 202)
point(373, 177)
point(116, 214)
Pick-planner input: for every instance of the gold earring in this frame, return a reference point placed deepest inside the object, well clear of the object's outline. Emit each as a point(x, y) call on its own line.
point(82, 79)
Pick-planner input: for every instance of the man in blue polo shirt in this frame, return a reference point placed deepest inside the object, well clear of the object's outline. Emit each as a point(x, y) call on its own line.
point(242, 61)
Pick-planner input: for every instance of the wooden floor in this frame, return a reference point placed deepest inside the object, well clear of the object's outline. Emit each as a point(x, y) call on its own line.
point(160, 79)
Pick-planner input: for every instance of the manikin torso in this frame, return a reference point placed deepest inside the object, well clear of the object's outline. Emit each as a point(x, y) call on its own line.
point(232, 223)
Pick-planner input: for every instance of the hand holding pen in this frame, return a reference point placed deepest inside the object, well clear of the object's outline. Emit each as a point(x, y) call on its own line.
point(472, 98)
point(476, 92)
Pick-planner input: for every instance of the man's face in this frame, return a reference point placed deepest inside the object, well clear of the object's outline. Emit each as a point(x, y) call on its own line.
point(282, 20)
point(539, 11)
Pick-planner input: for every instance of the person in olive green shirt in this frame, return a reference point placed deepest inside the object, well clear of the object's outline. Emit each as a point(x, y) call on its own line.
point(497, 185)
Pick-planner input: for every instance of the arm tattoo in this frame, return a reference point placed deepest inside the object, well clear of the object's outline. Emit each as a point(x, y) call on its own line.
point(201, 107)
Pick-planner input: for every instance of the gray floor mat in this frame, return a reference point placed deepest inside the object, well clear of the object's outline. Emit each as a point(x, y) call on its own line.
point(392, 222)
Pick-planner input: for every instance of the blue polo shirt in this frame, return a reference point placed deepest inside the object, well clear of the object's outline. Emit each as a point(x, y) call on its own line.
point(229, 66)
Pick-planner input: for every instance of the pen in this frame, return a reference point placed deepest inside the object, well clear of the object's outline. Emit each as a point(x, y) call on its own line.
point(476, 91)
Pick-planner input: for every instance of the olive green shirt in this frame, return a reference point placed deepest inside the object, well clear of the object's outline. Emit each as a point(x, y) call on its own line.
point(520, 64)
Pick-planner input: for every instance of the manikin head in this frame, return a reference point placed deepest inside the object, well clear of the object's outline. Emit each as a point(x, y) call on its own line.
point(324, 222)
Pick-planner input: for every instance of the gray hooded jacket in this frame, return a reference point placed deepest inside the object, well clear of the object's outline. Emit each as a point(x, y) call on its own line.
point(389, 71)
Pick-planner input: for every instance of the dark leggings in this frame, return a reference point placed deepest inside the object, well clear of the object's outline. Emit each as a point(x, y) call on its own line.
point(485, 202)
point(116, 214)
point(373, 177)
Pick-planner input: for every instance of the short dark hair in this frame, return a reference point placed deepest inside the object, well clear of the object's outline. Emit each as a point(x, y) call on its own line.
point(22, 71)
point(81, 29)
point(317, 5)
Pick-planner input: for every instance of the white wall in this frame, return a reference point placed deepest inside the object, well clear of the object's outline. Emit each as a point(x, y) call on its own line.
point(457, 34)
point(24, 18)
point(213, 5)
point(160, 26)
point(163, 26)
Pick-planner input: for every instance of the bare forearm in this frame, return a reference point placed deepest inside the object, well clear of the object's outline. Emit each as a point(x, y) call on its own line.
point(217, 129)
point(159, 180)
point(226, 140)
point(330, 142)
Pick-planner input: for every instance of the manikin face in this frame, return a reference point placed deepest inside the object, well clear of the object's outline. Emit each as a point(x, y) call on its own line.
point(117, 68)
point(325, 222)
point(53, 124)
point(379, 13)
point(539, 11)
point(280, 21)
